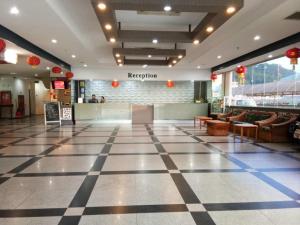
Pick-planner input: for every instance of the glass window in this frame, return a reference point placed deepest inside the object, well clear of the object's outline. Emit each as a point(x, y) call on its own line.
point(218, 94)
point(273, 83)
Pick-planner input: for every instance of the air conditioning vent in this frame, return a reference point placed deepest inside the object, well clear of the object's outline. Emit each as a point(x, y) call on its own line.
point(157, 13)
point(294, 16)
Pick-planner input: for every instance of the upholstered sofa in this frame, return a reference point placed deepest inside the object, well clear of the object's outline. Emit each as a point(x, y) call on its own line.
point(225, 116)
point(277, 130)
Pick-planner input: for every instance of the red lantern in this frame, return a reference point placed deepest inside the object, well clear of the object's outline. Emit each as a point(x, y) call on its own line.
point(33, 61)
point(213, 76)
point(2, 45)
point(115, 84)
point(170, 84)
point(69, 75)
point(56, 69)
point(241, 70)
point(293, 54)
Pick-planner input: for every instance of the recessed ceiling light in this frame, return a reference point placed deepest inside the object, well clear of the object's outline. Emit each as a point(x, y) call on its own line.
point(36, 75)
point(85, 65)
point(73, 56)
point(112, 40)
point(101, 6)
point(196, 42)
point(170, 65)
point(14, 10)
point(219, 56)
point(54, 41)
point(230, 10)
point(210, 29)
point(174, 61)
point(154, 41)
point(180, 56)
point(256, 38)
point(167, 8)
point(149, 56)
point(198, 67)
point(47, 68)
point(119, 60)
point(118, 55)
point(120, 65)
point(108, 27)
point(144, 66)
point(270, 56)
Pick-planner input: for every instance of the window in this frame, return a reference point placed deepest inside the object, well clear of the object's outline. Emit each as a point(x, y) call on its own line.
point(272, 83)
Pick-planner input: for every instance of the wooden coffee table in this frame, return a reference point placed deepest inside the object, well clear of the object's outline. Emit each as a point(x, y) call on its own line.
point(201, 118)
point(247, 127)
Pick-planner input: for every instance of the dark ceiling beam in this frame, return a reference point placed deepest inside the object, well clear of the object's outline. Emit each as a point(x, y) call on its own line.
point(149, 51)
point(177, 5)
point(148, 36)
point(145, 62)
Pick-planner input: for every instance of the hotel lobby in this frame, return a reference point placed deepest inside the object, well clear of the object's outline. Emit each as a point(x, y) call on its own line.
point(131, 112)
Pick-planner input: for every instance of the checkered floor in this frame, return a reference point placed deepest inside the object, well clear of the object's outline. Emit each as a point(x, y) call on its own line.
point(107, 174)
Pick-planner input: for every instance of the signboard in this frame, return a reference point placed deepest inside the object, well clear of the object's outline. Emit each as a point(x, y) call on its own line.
point(142, 76)
point(52, 112)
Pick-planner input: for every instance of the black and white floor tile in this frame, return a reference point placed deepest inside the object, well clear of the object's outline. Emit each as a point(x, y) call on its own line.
point(121, 174)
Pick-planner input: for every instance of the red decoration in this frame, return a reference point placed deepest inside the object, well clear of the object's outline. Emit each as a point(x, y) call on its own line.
point(56, 69)
point(115, 84)
point(293, 54)
point(33, 61)
point(241, 70)
point(69, 75)
point(213, 76)
point(170, 84)
point(2, 45)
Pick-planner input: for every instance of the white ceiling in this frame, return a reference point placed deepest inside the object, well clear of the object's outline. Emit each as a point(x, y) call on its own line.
point(74, 24)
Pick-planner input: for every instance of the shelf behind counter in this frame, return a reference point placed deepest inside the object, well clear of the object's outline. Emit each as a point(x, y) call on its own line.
point(123, 111)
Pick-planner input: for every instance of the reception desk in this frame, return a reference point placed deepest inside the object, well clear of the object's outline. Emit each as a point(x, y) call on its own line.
point(124, 111)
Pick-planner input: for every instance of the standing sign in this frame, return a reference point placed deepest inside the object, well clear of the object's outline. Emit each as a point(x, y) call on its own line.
point(52, 112)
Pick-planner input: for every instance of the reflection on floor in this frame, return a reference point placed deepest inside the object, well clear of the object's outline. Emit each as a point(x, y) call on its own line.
point(107, 174)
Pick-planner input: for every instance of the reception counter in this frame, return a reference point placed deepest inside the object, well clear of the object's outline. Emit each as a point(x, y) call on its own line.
point(124, 111)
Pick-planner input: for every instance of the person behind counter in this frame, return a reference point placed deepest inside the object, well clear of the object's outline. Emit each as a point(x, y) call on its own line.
point(102, 99)
point(94, 99)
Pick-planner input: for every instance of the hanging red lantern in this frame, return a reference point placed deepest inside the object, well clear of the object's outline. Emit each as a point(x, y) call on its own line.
point(115, 84)
point(33, 61)
point(56, 69)
point(2, 45)
point(170, 84)
point(241, 70)
point(293, 54)
point(213, 76)
point(69, 75)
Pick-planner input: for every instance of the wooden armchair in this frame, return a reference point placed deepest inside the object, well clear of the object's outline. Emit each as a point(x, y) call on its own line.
point(277, 130)
point(225, 116)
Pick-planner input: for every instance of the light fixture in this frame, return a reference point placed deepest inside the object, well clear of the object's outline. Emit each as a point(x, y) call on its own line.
point(196, 42)
point(149, 56)
point(256, 38)
point(198, 67)
point(180, 56)
point(270, 56)
point(101, 6)
point(120, 65)
point(47, 68)
point(210, 29)
point(118, 55)
point(11, 56)
point(85, 65)
point(112, 40)
point(174, 61)
point(14, 10)
point(219, 56)
point(108, 27)
point(154, 41)
point(73, 56)
point(36, 75)
point(167, 8)
point(54, 41)
point(144, 66)
point(230, 10)
point(170, 65)
point(119, 60)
